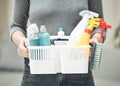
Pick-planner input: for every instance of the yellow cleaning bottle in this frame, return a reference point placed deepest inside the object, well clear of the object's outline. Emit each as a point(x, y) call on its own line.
point(93, 22)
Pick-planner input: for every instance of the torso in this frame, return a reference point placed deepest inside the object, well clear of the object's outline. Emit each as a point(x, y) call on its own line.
point(56, 13)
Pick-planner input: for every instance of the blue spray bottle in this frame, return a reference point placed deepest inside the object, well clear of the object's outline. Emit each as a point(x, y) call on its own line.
point(44, 37)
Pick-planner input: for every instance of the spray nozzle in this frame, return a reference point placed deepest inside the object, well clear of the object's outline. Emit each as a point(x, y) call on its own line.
point(103, 26)
point(93, 22)
point(89, 13)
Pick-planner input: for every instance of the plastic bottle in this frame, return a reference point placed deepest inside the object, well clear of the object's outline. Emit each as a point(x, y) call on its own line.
point(44, 37)
point(32, 35)
point(85, 39)
point(81, 26)
point(61, 31)
point(61, 40)
point(33, 40)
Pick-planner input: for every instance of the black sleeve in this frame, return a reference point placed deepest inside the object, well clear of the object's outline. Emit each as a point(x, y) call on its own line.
point(96, 6)
point(20, 16)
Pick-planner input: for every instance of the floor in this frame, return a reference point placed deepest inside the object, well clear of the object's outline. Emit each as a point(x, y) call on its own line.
point(14, 79)
point(106, 82)
point(10, 78)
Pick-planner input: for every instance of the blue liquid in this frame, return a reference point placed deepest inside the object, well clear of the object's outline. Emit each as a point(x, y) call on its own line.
point(44, 39)
point(34, 42)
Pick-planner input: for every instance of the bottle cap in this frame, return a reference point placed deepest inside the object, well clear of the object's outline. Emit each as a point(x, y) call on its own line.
point(60, 29)
point(32, 29)
point(43, 28)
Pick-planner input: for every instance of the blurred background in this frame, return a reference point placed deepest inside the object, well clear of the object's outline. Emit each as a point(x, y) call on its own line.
point(11, 65)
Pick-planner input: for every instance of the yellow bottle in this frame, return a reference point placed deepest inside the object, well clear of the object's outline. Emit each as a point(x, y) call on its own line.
point(93, 22)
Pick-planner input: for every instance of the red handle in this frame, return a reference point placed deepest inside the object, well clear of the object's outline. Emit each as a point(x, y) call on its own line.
point(103, 26)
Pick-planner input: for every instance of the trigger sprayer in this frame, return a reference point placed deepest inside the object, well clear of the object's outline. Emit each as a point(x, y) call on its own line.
point(103, 26)
point(93, 22)
point(81, 26)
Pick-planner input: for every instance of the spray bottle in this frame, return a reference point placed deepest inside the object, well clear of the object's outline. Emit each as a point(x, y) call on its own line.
point(82, 25)
point(97, 47)
point(44, 37)
point(32, 35)
point(94, 22)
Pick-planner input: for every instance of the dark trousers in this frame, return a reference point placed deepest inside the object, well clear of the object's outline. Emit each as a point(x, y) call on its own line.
point(55, 79)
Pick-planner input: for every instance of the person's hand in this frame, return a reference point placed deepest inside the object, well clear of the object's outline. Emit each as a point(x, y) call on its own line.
point(95, 38)
point(22, 48)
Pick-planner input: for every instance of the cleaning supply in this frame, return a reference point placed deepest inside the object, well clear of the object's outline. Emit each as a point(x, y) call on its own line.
point(44, 37)
point(97, 47)
point(81, 26)
point(103, 26)
point(96, 56)
point(61, 31)
point(61, 40)
point(32, 35)
point(93, 22)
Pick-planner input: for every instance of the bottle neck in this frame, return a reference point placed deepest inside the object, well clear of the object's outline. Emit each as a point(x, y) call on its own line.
point(88, 31)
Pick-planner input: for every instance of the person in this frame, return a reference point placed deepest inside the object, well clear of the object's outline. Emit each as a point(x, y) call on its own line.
point(53, 14)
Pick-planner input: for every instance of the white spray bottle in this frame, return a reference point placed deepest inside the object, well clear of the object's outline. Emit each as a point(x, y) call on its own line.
point(81, 26)
point(32, 35)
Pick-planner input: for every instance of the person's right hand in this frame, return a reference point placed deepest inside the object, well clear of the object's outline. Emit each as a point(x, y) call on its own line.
point(22, 48)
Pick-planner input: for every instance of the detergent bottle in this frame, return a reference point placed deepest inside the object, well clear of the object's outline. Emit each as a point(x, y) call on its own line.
point(61, 40)
point(44, 37)
point(32, 35)
point(81, 26)
point(93, 22)
point(61, 31)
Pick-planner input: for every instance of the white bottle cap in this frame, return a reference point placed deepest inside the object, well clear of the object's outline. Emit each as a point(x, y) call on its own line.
point(43, 28)
point(32, 29)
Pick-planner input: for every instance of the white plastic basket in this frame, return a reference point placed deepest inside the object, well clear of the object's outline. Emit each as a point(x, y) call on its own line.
point(58, 59)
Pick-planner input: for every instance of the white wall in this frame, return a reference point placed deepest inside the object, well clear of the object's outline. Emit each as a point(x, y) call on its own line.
point(3, 16)
point(8, 51)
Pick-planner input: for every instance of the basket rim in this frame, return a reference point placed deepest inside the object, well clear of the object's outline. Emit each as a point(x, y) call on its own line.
point(63, 46)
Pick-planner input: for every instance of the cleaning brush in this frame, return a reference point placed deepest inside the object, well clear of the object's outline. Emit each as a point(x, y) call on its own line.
point(97, 47)
point(96, 56)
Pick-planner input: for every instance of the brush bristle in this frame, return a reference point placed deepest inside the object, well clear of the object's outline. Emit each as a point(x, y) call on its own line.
point(97, 56)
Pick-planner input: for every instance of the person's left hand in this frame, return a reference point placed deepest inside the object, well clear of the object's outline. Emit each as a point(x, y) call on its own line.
point(96, 38)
